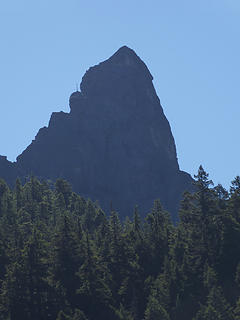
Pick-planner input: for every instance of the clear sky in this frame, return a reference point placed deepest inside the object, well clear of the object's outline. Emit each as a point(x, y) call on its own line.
point(191, 47)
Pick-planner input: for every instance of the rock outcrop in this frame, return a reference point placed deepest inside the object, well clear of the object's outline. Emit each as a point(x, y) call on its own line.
point(115, 145)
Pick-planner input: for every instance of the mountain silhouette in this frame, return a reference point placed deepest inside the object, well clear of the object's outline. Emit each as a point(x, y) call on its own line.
point(114, 146)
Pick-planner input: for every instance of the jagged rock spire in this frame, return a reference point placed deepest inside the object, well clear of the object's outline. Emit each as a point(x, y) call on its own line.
point(115, 145)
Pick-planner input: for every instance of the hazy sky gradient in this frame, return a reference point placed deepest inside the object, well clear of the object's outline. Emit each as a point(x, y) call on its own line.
point(191, 47)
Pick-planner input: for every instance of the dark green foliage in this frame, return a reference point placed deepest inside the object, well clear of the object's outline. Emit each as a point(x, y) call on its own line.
point(216, 307)
point(62, 258)
point(155, 311)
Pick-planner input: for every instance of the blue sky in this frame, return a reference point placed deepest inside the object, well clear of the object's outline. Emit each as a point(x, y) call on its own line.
point(191, 47)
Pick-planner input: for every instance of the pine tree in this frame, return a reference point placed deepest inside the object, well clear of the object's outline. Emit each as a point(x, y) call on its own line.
point(159, 229)
point(66, 259)
point(94, 279)
point(155, 311)
point(216, 307)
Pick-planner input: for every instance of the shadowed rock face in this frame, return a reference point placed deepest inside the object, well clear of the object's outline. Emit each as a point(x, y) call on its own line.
point(115, 145)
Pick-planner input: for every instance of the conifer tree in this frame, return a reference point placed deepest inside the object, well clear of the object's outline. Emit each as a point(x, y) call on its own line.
point(216, 307)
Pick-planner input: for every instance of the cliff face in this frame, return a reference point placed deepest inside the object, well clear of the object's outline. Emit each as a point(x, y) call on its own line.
point(115, 145)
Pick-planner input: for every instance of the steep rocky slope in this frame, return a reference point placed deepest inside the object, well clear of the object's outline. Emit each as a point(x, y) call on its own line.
point(115, 145)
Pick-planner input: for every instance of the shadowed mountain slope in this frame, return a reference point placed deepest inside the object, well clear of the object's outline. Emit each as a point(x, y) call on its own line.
point(115, 145)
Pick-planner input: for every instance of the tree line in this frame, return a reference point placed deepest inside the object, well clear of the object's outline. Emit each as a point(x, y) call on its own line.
point(63, 258)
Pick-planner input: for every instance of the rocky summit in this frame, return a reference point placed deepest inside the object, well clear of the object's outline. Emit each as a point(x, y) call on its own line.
point(114, 146)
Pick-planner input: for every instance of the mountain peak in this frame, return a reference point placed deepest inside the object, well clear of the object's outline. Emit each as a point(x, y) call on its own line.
point(124, 65)
point(115, 145)
point(127, 57)
point(124, 53)
point(125, 49)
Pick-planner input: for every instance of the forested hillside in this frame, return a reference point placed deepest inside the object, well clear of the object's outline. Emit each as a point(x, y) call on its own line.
point(62, 257)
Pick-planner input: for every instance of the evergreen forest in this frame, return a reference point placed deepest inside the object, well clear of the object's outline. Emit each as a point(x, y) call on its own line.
point(63, 258)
